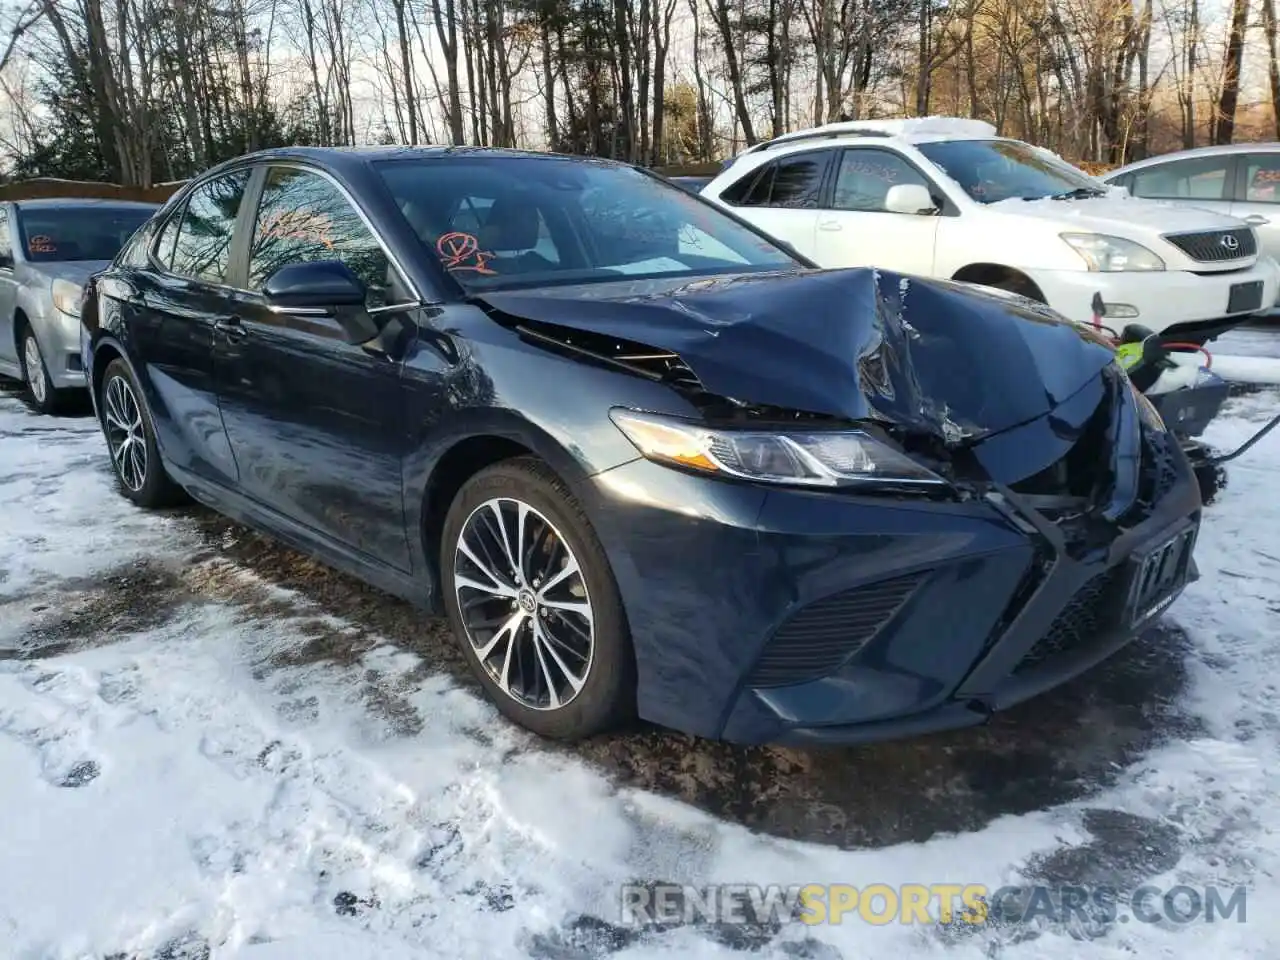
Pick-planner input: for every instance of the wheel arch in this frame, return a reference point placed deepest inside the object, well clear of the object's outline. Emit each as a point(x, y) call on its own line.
point(443, 470)
point(1002, 276)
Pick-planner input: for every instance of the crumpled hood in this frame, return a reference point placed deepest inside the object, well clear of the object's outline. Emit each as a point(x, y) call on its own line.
point(929, 355)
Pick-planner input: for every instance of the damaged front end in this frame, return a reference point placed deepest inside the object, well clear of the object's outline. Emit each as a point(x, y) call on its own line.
point(897, 392)
point(978, 392)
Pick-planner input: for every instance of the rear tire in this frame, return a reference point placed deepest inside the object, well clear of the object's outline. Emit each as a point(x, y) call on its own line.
point(543, 630)
point(44, 397)
point(131, 441)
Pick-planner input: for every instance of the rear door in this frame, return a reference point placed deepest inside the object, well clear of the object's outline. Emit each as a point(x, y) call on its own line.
point(316, 423)
point(8, 296)
point(855, 229)
point(179, 302)
point(783, 196)
point(1258, 197)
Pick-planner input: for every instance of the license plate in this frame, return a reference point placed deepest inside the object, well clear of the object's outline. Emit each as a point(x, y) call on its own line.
point(1244, 297)
point(1158, 574)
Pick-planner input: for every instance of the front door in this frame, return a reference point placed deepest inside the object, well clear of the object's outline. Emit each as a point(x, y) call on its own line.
point(316, 423)
point(857, 231)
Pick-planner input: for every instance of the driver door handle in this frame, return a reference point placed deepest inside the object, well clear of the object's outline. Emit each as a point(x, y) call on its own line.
point(829, 224)
point(230, 328)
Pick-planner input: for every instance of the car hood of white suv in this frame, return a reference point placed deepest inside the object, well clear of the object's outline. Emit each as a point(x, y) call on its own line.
point(1112, 214)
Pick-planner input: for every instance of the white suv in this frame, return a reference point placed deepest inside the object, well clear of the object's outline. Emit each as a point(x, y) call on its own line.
point(948, 198)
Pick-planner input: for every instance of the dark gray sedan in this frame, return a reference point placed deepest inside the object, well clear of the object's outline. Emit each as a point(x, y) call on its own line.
point(48, 248)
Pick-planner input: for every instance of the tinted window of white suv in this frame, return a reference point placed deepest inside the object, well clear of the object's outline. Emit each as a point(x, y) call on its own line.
point(791, 181)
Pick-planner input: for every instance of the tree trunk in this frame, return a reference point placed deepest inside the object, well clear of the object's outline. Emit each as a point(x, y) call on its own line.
point(406, 64)
point(1230, 96)
point(446, 20)
point(1273, 60)
point(720, 13)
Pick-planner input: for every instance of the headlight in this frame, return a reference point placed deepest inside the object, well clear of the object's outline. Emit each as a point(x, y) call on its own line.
point(1106, 254)
point(66, 297)
point(1147, 411)
point(834, 458)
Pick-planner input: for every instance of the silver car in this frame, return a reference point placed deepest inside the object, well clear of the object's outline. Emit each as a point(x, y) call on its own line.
point(48, 248)
point(1240, 179)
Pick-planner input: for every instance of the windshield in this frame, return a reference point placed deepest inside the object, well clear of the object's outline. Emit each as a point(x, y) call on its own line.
point(994, 170)
point(505, 222)
point(57, 234)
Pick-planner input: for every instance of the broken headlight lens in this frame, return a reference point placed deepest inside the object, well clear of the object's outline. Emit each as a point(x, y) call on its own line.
point(817, 458)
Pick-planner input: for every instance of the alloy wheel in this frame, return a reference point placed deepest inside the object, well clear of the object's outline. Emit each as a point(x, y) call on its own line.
point(34, 363)
point(524, 603)
point(126, 436)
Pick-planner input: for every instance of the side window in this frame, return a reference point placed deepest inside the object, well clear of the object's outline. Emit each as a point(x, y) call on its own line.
point(1204, 178)
point(162, 253)
point(1262, 178)
point(302, 217)
point(865, 177)
point(135, 252)
point(6, 240)
point(790, 182)
point(203, 244)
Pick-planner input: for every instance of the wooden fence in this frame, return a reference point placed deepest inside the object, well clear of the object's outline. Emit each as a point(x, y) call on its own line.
point(46, 188)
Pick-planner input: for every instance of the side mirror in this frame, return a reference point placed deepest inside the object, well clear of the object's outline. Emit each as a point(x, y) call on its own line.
point(910, 198)
point(323, 288)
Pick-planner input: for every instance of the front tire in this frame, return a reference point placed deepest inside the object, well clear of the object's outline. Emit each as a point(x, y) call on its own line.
point(533, 602)
point(131, 441)
point(44, 397)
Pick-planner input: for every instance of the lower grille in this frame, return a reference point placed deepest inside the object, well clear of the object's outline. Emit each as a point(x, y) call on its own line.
point(1092, 611)
point(819, 638)
point(1216, 246)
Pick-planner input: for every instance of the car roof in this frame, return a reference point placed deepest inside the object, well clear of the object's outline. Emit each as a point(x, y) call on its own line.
point(912, 130)
point(1193, 154)
point(72, 203)
point(359, 156)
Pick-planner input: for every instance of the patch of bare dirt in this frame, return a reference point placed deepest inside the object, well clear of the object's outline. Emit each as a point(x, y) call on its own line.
point(93, 610)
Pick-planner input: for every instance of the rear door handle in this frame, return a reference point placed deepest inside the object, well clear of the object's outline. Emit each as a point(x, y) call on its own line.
point(230, 328)
point(830, 225)
point(1256, 220)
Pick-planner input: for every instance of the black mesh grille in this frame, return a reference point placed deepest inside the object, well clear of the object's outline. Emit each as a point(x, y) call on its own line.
point(1095, 609)
point(1159, 466)
point(1215, 246)
point(823, 635)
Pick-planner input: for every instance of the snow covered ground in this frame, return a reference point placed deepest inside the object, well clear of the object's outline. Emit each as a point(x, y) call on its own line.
point(177, 782)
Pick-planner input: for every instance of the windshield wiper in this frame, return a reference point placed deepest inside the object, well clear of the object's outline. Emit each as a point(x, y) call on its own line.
point(1078, 193)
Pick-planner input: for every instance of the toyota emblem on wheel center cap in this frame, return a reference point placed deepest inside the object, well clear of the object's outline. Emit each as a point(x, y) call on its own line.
point(1230, 241)
point(527, 602)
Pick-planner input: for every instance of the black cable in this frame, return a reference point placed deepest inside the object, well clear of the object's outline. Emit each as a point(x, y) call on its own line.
point(1216, 461)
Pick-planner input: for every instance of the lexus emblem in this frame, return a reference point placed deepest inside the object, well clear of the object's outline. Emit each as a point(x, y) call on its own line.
point(1230, 241)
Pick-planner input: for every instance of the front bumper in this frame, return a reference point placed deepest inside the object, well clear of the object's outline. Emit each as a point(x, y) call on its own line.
point(1170, 301)
point(59, 338)
point(969, 601)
